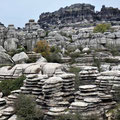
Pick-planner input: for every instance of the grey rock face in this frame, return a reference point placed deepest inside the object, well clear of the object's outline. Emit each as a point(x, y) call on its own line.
point(109, 13)
point(41, 59)
point(2, 49)
point(5, 58)
point(20, 57)
point(71, 14)
point(11, 44)
point(77, 13)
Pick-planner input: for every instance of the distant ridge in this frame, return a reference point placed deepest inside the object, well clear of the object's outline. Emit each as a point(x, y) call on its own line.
point(77, 13)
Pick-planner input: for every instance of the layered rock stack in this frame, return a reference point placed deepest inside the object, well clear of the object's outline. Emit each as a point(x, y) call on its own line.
point(11, 99)
point(6, 113)
point(68, 86)
point(85, 59)
point(109, 82)
point(88, 75)
point(40, 98)
point(52, 91)
point(32, 85)
point(89, 101)
point(5, 110)
point(31, 26)
point(53, 96)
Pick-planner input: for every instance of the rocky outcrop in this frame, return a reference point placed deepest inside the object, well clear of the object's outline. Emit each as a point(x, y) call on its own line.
point(5, 59)
point(20, 57)
point(77, 13)
point(109, 14)
point(88, 75)
point(71, 14)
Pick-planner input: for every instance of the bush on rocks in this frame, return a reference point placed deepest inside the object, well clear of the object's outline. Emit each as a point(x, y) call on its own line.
point(102, 28)
point(54, 55)
point(6, 86)
point(76, 71)
point(42, 47)
point(25, 108)
point(77, 116)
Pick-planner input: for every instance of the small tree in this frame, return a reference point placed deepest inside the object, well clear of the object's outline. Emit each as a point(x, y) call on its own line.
point(42, 47)
point(102, 28)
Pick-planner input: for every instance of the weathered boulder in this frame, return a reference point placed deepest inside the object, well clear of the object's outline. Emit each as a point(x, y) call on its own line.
point(50, 68)
point(14, 117)
point(2, 49)
point(11, 44)
point(5, 58)
point(20, 57)
point(77, 51)
point(85, 49)
point(41, 59)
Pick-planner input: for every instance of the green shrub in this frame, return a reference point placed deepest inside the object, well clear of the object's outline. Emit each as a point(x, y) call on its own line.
point(102, 28)
point(55, 49)
point(6, 86)
point(71, 40)
point(75, 116)
point(75, 55)
point(80, 47)
point(46, 34)
point(31, 60)
point(54, 57)
point(109, 60)
point(114, 51)
point(13, 52)
point(70, 49)
point(93, 117)
point(116, 94)
point(76, 71)
point(25, 108)
point(97, 63)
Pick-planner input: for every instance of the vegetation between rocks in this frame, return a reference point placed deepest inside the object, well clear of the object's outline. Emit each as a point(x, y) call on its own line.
point(42, 47)
point(77, 116)
point(76, 71)
point(102, 28)
point(26, 109)
point(6, 86)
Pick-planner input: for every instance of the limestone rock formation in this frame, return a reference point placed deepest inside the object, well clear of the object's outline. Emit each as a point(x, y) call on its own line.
point(71, 14)
point(78, 13)
point(109, 14)
point(11, 44)
point(20, 57)
point(2, 49)
point(88, 75)
point(5, 59)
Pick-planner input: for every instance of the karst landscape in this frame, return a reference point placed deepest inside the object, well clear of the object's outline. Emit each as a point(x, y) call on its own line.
point(64, 66)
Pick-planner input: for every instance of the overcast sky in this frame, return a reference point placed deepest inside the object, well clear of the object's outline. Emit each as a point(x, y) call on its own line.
point(18, 12)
